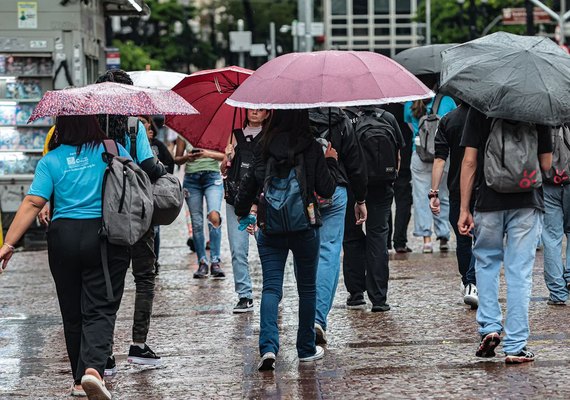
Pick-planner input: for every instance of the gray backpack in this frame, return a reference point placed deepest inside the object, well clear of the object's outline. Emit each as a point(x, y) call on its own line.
point(427, 128)
point(558, 174)
point(127, 199)
point(511, 161)
point(168, 199)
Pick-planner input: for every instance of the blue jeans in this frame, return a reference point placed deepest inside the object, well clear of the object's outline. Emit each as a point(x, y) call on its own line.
point(239, 247)
point(556, 218)
point(328, 271)
point(464, 250)
point(423, 217)
point(520, 228)
point(206, 184)
point(273, 251)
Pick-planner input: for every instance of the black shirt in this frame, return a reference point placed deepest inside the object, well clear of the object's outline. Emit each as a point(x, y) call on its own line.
point(475, 135)
point(161, 152)
point(447, 143)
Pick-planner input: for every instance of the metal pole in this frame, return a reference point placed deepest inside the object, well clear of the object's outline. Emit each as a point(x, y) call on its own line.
point(428, 22)
point(529, 18)
point(294, 32)
point(273, 51)
point(301, 20)
point(308, 23)
point(241, 60)
point(562, 22)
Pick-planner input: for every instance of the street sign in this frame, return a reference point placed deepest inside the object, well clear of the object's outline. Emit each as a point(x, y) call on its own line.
point(517, 16)
point(317, 28)
point(240, 41)
point(113, 58)
point(258, 50)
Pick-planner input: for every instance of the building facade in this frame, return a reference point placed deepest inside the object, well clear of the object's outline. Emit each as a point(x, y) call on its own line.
point(382, 26)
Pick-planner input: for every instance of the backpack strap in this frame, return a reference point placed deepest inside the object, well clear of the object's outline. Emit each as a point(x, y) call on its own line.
point(436, 102)
point(112, 149)
point(240, 137)
point(132, 127)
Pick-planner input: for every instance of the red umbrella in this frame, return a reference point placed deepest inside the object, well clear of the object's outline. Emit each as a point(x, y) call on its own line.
point(328, 79)
point(111, 98)
point(208, 91)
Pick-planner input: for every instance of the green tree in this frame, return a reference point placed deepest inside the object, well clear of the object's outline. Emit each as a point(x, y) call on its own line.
point(452, 20)
point(135, 58)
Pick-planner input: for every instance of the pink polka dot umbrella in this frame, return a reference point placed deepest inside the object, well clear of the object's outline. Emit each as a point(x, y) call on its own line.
point(111, 98)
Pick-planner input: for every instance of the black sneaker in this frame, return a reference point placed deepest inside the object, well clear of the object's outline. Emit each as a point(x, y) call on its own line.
point(522, 357)
point(244, 305)
point(216, 271)
point(355, 301)
point(110, 367)
point(267, 362)
point(403, 249)
point(142, 356)
point(202, 271)
point(488, 344)
point(381, 308)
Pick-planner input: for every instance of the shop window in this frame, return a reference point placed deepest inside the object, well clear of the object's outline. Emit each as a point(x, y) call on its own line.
point(338, 7)
point(359, 7)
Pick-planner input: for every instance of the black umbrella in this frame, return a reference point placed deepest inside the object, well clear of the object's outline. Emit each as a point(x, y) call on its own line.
point(422, 60)
point(522, 78)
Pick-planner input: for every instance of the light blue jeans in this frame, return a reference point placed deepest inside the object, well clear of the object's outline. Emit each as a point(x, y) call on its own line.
point(239, 247)
point(206, 184)
point(423, 217)
point(331, 233)
point(520, 228)
point(556, 225)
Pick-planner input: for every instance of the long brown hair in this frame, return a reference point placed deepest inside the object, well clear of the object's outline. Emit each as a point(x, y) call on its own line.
point(419, 109)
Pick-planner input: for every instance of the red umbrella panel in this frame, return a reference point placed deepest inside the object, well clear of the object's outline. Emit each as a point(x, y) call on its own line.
point(207, 91)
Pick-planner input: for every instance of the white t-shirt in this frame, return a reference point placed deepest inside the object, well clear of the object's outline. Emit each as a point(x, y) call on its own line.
point(251, 131)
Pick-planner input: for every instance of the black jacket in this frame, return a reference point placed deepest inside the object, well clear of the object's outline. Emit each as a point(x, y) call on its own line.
point(352, 169)
point(318, 178)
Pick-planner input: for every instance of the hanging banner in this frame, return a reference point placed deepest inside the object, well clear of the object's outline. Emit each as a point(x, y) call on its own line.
point(27, 15)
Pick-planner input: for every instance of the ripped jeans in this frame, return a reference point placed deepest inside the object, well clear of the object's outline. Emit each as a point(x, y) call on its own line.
point(206, 184)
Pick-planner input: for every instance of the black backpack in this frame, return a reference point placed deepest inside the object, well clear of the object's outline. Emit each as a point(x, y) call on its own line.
point(377, 138)
point(241, 164)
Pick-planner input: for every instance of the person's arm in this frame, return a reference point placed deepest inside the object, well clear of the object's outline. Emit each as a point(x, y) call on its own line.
point(216, 155)
point(27, 213)
point(545, 161)
point(467, 180)
point(436, 174)
point(250, 186)
point(544, 147)
point(325, 185)
point(353, 160)
point(179, 156)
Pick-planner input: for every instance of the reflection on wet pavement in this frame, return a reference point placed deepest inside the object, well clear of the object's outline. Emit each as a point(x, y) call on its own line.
point(423, 348)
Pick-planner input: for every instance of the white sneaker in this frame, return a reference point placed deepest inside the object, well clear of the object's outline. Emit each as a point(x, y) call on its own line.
point(267, 362)
point(95, 388)
point(470, 296)
point(320, 335)
point(320, 353)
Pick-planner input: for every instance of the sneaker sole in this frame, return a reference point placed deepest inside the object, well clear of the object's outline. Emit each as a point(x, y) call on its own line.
point(471, 301)
point(518, 360)
point(110, 371)
point(356, 307)
point(243, 310)
point(95, 390)
point(143, 361)
point(312, 358)
point(200, 276)
point(218, 277)
point(487, 348)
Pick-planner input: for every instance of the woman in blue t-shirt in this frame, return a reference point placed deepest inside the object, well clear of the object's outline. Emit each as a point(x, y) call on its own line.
point(72, 172)
point(421, 178)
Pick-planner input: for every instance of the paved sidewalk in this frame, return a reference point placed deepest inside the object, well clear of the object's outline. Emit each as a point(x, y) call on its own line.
point(423, 348)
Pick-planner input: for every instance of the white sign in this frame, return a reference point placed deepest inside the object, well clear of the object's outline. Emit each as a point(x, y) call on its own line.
point(27, 15)
point(258, 50)
point(240, 41)
point(38, 44)
point(317, 29)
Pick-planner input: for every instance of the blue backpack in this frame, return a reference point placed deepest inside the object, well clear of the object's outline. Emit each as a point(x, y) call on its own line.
point(282, 207)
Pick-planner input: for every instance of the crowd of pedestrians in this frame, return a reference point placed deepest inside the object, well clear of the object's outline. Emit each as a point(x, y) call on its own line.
point(317, 183)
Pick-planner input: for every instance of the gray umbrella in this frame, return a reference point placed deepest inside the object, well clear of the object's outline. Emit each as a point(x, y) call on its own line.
point(522, 78)
point(422, 60)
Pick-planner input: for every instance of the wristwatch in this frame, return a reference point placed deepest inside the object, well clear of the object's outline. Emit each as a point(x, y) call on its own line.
point(433, 193)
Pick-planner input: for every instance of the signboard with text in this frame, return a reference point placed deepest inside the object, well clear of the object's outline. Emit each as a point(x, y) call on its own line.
point(517, 16)
point(27, 15)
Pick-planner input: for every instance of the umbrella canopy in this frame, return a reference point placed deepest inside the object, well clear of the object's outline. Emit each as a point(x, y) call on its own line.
point(328, 79)
point(111, 98)
point(507, 76)
point(422, 60)
point(156, 79)
point(208, 90)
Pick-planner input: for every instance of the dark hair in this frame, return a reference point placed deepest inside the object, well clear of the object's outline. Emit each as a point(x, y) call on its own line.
point(117, 124)
point(152, 124)
point(294, 122)
point(77, 130)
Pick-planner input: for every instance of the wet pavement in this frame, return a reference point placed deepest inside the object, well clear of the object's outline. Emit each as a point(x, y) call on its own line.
point(423, 348)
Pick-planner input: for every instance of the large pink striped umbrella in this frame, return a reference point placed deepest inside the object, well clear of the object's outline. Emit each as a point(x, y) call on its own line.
point(111, 98)
point(328, 79)
point(208, 90)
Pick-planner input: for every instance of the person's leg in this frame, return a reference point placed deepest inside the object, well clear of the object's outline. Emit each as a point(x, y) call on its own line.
point(421, 183)
point(142, 255)
point(378, 203)
point(193, 183)
point(403, 200)
point(522, 228)
point(214, 193)
point(552, 235)
point(65, 268)
point(239, 248)
point(156, 241)
point(464, 249)
point(566, 209)
point(331, 234)
point(488, 252)
point(354, 245)
point(441, 221)
point(99, 313)
point(273, 251)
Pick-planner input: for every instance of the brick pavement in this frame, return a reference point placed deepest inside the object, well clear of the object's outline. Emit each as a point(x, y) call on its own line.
point(423, 348)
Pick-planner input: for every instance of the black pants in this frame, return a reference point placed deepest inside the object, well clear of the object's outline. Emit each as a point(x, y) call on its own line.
point(143, 258)
point(88, 316)
point(464, 251)
point(403, 198)
point(365, 263)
